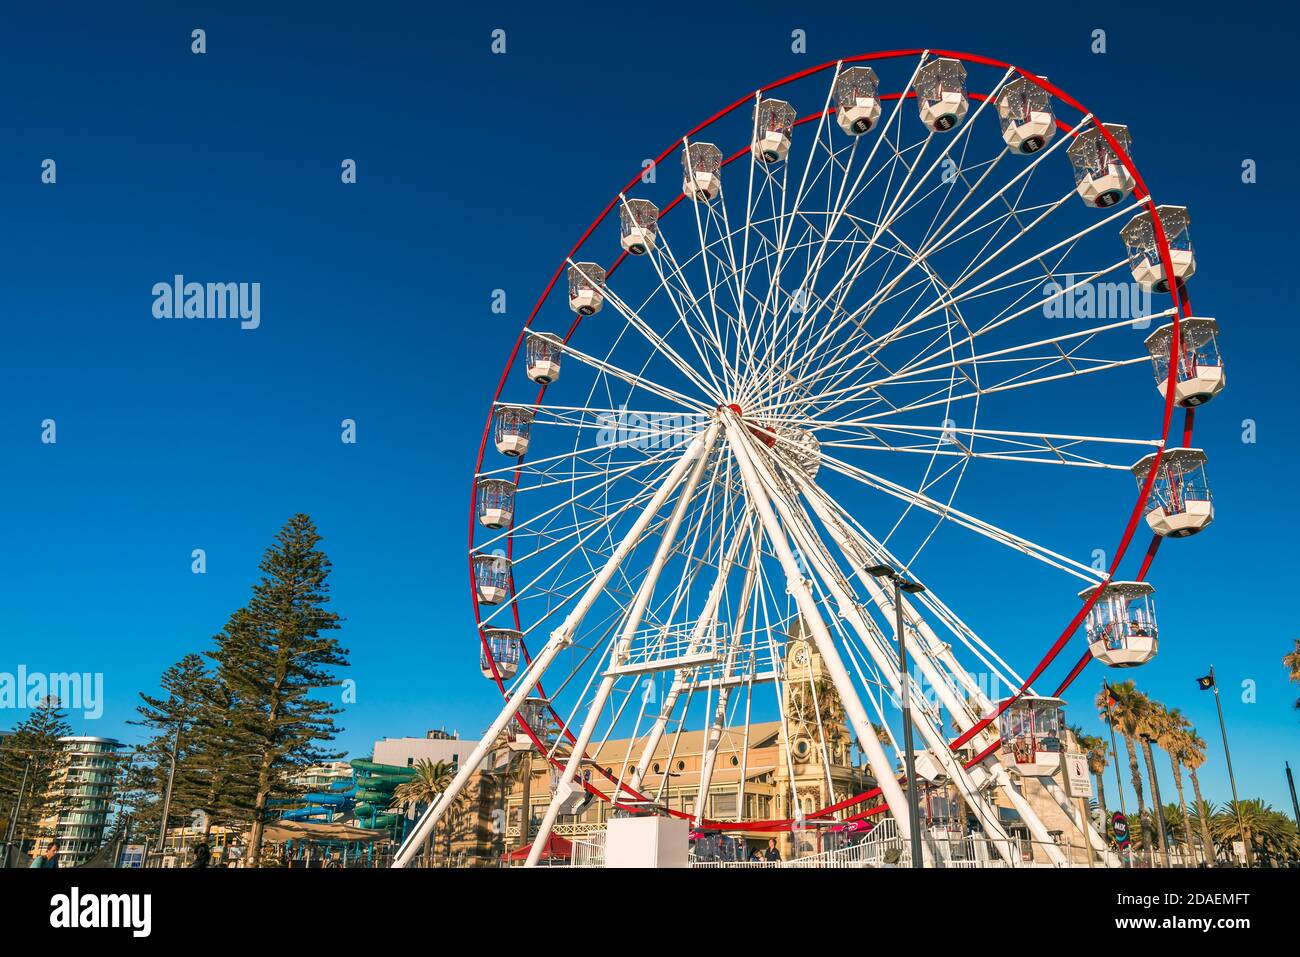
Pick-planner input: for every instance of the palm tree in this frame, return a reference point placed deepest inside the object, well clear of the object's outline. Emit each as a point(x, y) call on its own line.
point(1292, 661)
point(1272, 836)
point(1125, 715)
point(1094, 749)
point(431, 779)
point(1173, 738)
point(1174, 826)
point(1192, 756)
point(1151, 722)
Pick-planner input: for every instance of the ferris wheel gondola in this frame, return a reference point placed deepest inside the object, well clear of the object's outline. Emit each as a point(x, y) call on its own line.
point(941, 94)
point(1121, 625)
point(1198, 374)
point(1032, 730)
point(1146, 253)
point(1180, 503)
point(542, 359)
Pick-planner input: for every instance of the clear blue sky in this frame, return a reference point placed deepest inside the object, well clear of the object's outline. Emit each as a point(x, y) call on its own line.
point(376, 307)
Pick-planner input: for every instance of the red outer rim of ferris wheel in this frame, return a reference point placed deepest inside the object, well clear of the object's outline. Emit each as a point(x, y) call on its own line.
point(1182, 309)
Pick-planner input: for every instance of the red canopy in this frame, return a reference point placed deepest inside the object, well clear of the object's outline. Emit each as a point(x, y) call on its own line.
point(556, 847)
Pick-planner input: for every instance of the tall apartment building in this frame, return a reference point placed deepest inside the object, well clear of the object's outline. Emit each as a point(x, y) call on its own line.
point(82, 792)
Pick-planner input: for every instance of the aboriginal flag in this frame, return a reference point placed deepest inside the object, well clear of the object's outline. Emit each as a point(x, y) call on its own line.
point(1111, 700)
point(1205, 683)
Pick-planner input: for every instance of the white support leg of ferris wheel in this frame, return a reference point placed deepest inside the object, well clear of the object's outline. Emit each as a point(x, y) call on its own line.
point(879, 762)
point(705, 624)
point(559, 639)
point(630, 625)
point(859, 555)
point(887, 665)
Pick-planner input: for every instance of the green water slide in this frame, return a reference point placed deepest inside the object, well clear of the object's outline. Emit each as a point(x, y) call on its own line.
point(375, 786)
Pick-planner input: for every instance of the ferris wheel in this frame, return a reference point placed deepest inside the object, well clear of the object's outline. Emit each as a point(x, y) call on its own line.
point(894, 321)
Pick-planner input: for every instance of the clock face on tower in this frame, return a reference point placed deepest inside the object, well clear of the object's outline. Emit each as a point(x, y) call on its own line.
point(799, 657)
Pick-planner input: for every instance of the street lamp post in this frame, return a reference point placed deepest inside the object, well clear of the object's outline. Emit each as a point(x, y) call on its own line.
point(171, 777)
point(905, 703)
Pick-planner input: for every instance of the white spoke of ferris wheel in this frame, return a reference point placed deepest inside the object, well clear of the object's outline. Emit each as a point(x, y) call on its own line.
point(763, 317)
point(713, 736)
point(1015, 542)
point(778, 687)
point(733, 272)
point(746, 231)
point(583, 532)
point(969, 293)
point(907, 372)
point(776, 395)
point(689, 429)
point(871, 548)
point(902, 201)
point(940, 241)
point(1037, 306)
point(844, 284)
point(631, 623)
point(1076, 462)
point(1001, 193)
point(741, 443)
point(606, 478)
point(786, 221)
point(559, 639)
point(989, 433)
point(981, 261)
point(659, 254)
point(1015, 382)
point(668, 352)
point(832, 365)
point(706, 622)
point(1007, 387)
point(1058, 446)
point(886, 221)
point(633, 319)
point(667, 617)
point(927, 248)
point(719, 336)
point(639, 381)
point(800, 526)
point(842, 203)
point(871, 348)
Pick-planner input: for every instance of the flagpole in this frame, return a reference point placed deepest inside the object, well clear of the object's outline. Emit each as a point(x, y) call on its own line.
point(1232, 780)
point(1114, 750)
